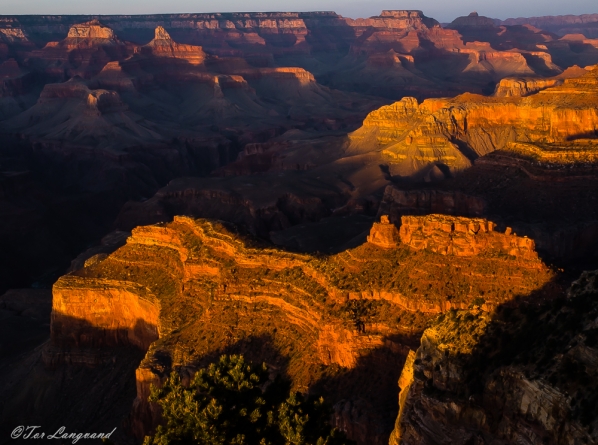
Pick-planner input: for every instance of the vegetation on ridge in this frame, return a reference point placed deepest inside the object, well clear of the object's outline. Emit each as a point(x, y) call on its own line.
point(233, 401)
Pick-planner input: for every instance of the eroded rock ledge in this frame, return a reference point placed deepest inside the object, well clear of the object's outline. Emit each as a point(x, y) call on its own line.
point(520, 375)
point(191, 289)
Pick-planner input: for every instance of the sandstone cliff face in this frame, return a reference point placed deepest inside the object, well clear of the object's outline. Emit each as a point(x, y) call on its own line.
point(518, 87)
point(92, 308)
point(449, 235)
point(519, 376)
point(87, 48)
point(384, 234)
point(164, 46)
point(176, 289)
point(91, 30)
point(452, 132)
point(13, 36)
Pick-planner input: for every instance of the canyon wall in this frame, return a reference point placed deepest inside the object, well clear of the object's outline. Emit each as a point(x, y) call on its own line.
point(555, 114)
point(460, 236)
point(515, 376)
point(191, 289)
point(561, 24)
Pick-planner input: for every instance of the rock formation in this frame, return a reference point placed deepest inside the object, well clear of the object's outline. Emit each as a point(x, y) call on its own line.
point(561, 24)
point(164, 46)
point(175, 288)
point(542, 137)
point(244, 117)
point(394, 54)
point(520, 87)
point(84, 52)
point(449, 132)
point(384, 234)
point(449, 235)
point(521, 375)
point(93, 30)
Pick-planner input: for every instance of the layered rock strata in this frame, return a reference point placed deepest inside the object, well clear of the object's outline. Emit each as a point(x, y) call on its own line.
point(384, 234)
point(191, 289)
point(521, 375)
point(398, 202)
point(449, 235)
point(561, 24)
point(164, 46)
point(520, 87)
point(87, 48)
point(447, 134)
point(394, 54)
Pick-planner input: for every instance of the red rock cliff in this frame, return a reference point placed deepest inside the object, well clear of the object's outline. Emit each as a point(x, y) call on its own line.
point(191, 288)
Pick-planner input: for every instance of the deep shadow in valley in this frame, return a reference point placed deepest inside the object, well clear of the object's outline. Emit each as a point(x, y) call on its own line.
point(96, 396)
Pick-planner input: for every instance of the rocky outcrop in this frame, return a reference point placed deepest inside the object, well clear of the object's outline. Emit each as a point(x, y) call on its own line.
point(87, 48)
point(520, 87)
point(393, 130)
point(473, 20)
point(405, 382)
point(384, 234)
point(79, 115)
point(13, 36)
point(517, 376)
point(448, 133)
point(397, 19)
point(176, 289)
point(84, 314)
point(91, 30)
point(450, 235)
point(164, 46)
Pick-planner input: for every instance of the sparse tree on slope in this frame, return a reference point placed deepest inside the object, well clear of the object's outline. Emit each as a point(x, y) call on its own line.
point(234, 402)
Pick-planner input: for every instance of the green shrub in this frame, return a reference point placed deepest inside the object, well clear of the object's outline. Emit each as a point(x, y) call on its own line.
point(234, 402)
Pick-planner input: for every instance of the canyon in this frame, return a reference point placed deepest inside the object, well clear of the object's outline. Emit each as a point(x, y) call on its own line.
point(354, 202)
point(470, 155)
point(73, 81)
point(189, 289)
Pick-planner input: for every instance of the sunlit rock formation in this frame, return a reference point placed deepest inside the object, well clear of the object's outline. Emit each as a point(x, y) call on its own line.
point(164, 46)
point(384, 234)
point(84, 52)
point(90, 30)
point(179, 289)
point(510, 87)
point(449, 235)
point(450, 133)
